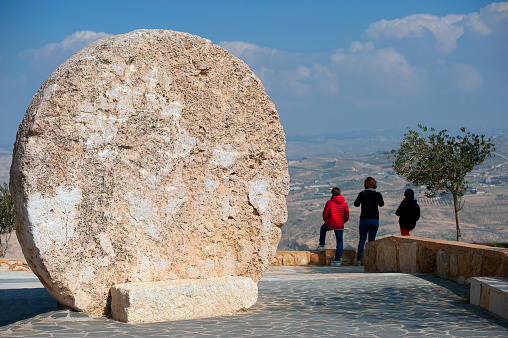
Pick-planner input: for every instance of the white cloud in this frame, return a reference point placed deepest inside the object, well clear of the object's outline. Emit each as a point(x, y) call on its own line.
point(69, 45)
point(444, 30)
point(465, 77)
point(302, 72)
point(324, 80)
point(305, 81)
point(248, 52)
point(338, 56)
point(284, 72)
point(384, 68)
point(357, 46)
point(495, 12)
point(477, 25)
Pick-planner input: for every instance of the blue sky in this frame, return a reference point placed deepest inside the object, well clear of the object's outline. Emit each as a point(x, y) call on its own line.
point(329, 66)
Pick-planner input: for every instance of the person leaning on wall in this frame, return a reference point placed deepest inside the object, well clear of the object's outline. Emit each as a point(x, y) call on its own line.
point(369, 199)
point(335, 215)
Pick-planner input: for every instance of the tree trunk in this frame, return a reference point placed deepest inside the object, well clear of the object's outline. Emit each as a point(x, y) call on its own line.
point(457, 221)
point(4, 246)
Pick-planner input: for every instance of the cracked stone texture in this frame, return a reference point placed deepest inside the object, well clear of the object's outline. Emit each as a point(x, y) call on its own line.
point(153, 155)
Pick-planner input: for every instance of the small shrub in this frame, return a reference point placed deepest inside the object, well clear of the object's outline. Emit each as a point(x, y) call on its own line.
point(7, 214)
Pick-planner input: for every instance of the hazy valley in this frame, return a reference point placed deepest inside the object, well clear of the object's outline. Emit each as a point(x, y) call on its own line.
point(484, 217)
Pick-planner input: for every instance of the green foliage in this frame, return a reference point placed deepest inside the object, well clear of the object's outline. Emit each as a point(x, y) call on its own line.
point(7, 214)
point(497, 245)
point(439, 161)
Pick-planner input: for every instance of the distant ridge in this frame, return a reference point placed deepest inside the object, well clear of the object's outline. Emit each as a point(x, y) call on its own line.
point(358, 143)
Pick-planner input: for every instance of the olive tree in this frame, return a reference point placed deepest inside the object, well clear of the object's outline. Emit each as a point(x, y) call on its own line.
point(7, 214)
point(440, 162)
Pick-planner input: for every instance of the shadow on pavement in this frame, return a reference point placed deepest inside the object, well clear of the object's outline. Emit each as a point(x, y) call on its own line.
point(456, 288)
point(20, 304)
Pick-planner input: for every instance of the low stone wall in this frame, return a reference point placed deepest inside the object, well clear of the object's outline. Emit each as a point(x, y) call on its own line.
point(312, 257)
point(13, 264)
point(447, 259)
point(281, 258)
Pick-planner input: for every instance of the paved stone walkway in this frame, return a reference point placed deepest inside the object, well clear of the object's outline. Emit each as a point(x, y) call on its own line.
point(293, 302)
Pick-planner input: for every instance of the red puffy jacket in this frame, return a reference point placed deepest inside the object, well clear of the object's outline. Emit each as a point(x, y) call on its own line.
point(336, 212)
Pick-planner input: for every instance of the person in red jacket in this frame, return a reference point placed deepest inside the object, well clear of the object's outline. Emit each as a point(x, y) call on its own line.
point(335, 214)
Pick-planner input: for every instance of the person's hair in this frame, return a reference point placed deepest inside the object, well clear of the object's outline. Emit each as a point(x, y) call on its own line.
point(409, 193)
point(370, 182)
point(335, 191)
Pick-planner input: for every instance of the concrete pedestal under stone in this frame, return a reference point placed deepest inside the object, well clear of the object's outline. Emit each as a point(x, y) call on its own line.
point(181, 299)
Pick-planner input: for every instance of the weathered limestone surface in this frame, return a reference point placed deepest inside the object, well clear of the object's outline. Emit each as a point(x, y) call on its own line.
point(181, 299)
point(407, 256)
point(149, 156)
point(387, 251)
point(443, 264)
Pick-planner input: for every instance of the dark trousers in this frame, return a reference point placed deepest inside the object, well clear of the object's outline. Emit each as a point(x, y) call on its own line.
point(367, 227)
point(338, 237)
point(404, 232)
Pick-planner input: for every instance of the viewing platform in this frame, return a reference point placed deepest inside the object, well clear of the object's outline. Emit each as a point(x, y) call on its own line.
point(293, 301)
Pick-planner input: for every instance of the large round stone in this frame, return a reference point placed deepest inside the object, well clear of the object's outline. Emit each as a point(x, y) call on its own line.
point(153, 155)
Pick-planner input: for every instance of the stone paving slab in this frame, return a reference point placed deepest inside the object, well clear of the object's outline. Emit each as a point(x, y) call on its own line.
point(293, 302)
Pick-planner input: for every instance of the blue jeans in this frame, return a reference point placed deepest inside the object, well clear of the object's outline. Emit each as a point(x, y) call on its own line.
point(338, 237)
point(370, 227)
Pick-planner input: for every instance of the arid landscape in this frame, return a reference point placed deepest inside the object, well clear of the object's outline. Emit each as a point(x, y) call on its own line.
point(484, 217)
point(318, 164)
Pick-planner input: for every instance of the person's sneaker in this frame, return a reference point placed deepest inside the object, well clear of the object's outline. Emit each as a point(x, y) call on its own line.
point(320, 248)
point(358, 263)
point(335, 263)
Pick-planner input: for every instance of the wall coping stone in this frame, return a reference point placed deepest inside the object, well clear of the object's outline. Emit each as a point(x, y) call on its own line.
point(490, 293)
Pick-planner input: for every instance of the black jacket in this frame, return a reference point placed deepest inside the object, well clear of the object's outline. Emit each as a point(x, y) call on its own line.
point(369, 199)
point(408, 212)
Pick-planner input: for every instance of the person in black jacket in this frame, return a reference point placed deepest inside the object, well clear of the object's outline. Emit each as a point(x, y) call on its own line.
point(408, 212)
point(370, 200)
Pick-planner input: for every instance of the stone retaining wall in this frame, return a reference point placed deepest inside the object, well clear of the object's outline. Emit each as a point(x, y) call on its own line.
point(312, 257)
point(447, 259)
point(13, 264)
point(281, 258)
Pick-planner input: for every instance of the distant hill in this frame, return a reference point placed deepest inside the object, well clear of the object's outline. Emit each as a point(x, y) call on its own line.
point(5, 163)
point(355, 143)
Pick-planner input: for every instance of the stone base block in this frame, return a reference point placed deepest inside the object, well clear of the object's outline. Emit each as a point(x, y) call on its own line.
point(490, 293)
point(149, 302)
